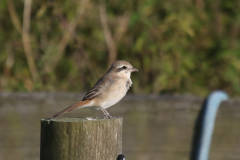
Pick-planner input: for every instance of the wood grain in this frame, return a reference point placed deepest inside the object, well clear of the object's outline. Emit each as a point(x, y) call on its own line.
point(81, 139)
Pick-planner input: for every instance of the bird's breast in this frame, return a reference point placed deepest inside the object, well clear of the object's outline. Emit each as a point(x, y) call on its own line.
point(115, 92)
point(128, 84)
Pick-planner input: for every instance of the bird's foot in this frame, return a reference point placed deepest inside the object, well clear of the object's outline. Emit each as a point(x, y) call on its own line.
point(114, 117)
point(108, 117)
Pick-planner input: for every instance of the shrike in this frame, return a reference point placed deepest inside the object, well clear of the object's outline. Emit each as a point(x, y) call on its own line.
point(108, 90)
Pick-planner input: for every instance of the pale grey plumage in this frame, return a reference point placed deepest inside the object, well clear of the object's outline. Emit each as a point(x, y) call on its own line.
point(108, 90)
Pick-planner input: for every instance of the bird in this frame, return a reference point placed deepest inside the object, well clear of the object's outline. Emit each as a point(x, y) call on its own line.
point(108, 90)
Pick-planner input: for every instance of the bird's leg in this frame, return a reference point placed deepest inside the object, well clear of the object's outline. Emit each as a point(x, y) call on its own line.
point(106, 113)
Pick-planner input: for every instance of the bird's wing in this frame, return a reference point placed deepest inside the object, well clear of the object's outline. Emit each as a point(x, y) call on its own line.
point(93, 93)
point(101, 85)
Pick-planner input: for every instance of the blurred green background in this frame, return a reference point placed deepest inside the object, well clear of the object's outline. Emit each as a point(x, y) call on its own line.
point(179, 47)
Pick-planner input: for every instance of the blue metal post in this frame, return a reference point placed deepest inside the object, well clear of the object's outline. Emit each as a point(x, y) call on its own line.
point(213, 102)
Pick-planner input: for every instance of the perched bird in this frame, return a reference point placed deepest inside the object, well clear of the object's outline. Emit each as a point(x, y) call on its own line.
point(108, 90)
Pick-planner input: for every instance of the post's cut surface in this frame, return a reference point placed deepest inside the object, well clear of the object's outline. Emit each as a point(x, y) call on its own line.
point(81, 139)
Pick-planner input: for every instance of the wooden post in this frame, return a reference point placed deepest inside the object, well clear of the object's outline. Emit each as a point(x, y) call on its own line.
point(81, 139)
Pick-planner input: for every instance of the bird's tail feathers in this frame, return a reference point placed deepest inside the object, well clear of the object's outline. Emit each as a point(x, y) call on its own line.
point(75, 106)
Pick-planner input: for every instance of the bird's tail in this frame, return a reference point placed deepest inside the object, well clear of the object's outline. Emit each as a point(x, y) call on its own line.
point(75, 106)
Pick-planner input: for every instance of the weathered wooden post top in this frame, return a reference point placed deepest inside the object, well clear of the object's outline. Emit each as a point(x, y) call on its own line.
point(81, 138)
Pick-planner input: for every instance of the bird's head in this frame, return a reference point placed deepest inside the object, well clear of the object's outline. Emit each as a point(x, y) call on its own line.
point(123, 68)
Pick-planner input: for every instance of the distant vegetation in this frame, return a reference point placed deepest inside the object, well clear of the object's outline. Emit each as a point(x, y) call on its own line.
point(179, 47)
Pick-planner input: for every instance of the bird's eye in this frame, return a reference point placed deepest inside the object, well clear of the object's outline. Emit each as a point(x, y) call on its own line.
point(124, 67)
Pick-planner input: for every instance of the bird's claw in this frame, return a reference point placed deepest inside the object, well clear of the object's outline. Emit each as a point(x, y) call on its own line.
point(108, 116)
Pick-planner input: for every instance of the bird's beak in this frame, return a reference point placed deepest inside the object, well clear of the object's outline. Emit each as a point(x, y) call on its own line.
point(133, 70)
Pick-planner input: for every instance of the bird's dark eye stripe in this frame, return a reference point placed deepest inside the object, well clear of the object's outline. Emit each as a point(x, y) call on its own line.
point(120, 69)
